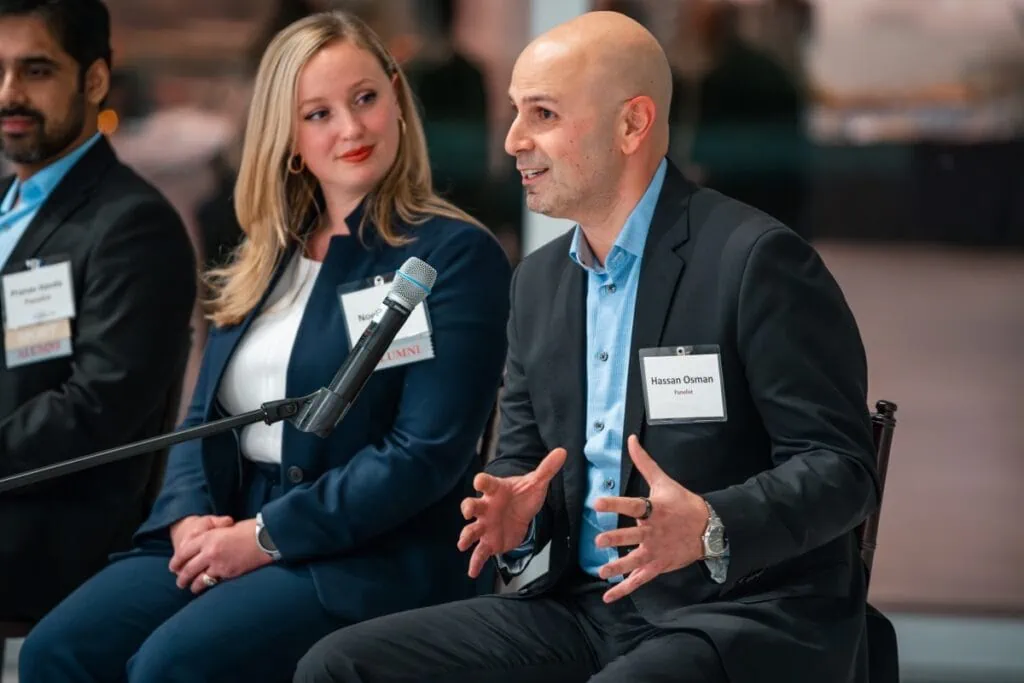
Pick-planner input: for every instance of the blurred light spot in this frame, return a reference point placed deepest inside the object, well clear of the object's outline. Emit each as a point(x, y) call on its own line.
point(108, 121)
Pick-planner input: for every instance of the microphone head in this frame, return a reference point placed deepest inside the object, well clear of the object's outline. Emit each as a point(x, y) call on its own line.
point(413, 283)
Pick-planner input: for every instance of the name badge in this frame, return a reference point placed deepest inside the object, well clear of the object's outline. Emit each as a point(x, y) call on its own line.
point(38, 306)
point(683, 384)
point(359, 303)
point(38, 295)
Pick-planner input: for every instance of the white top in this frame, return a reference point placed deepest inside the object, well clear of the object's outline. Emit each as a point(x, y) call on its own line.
point(258, 369)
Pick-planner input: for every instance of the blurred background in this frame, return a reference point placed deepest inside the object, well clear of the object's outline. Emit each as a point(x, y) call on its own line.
point(890, 133)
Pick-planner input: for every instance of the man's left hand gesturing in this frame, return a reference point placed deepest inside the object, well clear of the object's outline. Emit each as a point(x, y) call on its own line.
point(670, 538)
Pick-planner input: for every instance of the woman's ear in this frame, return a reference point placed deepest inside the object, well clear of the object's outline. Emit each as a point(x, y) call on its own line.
point(396, 88)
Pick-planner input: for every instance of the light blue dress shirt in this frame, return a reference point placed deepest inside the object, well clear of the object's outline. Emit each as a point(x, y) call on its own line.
point(611, 301)
point(30, 196)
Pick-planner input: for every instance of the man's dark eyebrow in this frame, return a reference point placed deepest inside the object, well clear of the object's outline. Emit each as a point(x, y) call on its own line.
point(39, 60)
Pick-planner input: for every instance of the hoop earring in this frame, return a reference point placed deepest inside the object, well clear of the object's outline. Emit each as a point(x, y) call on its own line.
point(291, 165)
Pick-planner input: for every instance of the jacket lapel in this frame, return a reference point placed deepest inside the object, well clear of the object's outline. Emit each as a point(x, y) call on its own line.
point(660, 271)
point(567, 370)
point(221, 346)
point(73, 190)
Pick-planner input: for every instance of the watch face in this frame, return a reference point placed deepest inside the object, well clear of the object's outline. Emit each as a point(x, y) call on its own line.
point(715, 542)
point(265, 540)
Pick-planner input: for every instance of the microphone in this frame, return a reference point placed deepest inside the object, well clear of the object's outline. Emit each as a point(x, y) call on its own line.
point(319, 412)
point(328, 406)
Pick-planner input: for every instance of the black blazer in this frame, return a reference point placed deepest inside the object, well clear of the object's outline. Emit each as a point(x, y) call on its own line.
point(134, 278)
point(791, 472)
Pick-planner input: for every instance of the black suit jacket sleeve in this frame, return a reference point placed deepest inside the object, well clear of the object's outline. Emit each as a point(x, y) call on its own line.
point(520, 446)
point(129, 333)
point(806, 368)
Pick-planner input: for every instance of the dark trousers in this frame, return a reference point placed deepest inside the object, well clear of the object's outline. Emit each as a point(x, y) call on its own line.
point(571, 636)
point(132, 623)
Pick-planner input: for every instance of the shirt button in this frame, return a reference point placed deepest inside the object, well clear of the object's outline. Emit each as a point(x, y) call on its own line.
point(603, 356)
point(599, 426)
point(611, 289)
point(294, 474)
point(609, 484)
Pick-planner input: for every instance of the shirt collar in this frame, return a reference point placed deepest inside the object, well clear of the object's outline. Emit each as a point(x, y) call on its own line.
point(40, 185)
point(633, 235)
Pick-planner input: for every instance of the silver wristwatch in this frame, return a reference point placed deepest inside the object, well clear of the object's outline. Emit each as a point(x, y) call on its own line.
point(263, 539)
point(715, 542)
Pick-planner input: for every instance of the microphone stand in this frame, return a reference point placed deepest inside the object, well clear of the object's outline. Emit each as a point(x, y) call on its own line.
point(297, 410)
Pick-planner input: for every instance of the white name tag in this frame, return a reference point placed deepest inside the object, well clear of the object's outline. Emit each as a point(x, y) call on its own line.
point(38, 295)
point(683, 384)
point(412, 343)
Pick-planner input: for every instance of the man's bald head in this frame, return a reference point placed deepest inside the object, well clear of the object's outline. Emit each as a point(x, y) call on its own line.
point(592, 98)
point(610, 56)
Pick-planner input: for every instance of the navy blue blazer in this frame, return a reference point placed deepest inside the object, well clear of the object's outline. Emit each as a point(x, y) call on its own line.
point(373, 509)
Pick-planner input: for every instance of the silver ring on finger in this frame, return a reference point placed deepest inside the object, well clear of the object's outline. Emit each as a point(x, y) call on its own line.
point(208, 580)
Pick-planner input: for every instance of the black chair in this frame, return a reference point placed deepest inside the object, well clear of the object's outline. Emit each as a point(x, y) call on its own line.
point(883, 648)
point(488, 446)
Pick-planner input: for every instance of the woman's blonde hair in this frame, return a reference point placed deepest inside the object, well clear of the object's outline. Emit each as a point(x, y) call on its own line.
point(273, 205)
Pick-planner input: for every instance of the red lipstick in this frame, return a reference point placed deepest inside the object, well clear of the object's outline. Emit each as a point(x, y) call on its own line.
point(358, 154)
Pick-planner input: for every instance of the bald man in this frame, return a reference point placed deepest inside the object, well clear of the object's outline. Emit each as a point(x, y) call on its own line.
point(684, 422)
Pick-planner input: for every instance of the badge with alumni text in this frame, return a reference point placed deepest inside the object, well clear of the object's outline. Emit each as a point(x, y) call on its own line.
point(683, 384)
point(360, 302)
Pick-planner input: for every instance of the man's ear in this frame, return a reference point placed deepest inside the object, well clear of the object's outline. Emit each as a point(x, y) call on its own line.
point(638, 119)
point(97, 83)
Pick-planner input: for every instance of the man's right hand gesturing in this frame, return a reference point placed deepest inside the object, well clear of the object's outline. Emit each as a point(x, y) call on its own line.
point(504, 510)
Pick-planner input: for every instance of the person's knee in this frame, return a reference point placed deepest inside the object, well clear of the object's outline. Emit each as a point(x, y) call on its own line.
point(49, 652)
point(166, 660)
point(328, 662)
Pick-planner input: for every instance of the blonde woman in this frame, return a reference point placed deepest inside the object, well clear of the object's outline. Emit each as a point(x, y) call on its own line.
point(263, 541)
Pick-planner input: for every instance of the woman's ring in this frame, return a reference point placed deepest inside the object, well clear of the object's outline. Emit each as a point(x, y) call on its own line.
point(209, 580)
